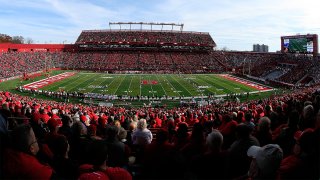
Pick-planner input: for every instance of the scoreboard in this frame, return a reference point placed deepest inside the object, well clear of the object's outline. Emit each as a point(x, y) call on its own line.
point(302, 44)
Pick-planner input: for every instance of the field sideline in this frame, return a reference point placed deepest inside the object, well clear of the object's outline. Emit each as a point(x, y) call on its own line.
point(171, 85)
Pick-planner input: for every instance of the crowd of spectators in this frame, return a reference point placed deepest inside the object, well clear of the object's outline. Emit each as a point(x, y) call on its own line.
point(272, 138)
point(17, 63)
point(313, 72)
point(173, 62)
point(295, 67)
point(255, 64)
point(152, 37)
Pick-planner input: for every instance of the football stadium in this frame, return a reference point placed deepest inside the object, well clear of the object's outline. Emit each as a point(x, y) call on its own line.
point(158, 102)
point(146, 66)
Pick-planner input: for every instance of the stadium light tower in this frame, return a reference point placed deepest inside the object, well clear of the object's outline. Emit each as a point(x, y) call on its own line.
point(243, 66)
point(151, 24)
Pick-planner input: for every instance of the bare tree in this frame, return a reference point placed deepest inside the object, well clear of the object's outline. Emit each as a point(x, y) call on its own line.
point(28, 41)
point(17, 39)
point(225, 49)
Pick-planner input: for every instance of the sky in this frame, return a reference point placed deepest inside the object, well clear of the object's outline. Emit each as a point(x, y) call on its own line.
point(233, 24)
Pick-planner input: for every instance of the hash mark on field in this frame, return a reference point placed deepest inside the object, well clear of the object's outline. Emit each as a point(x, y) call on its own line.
point(82, 83)
point(98, 85)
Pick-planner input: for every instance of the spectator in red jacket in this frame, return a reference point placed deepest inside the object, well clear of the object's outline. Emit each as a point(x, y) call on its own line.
point(20, 161)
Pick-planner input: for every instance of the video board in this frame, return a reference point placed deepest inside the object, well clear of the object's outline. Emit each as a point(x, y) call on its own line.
point(301, 45)
point(304, 44)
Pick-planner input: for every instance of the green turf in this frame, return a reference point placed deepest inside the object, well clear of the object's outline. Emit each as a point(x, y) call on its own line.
point(185, 85)
point(171, 85)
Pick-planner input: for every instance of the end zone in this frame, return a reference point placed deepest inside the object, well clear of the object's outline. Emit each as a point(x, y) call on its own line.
point(251, 84)
point(48, 81)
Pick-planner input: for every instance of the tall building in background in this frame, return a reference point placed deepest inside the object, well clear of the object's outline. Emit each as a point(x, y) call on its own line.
point(260, 48)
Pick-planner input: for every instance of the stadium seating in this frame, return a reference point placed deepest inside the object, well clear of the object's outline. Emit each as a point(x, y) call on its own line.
point(182, 141)
point(152, 37)
point(183, 138)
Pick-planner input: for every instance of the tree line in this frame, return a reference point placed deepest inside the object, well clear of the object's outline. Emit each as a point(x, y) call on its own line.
point(4, 38)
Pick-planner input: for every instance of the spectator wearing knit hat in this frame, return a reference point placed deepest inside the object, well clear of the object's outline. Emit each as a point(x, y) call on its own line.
point(53, 127)
point(102, 125)
point(265, 161)
point(92, 132)
point(56, 117)
point(227, 129)
point(44, 115)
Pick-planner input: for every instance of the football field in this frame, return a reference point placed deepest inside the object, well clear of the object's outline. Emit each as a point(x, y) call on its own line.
point(172, 85)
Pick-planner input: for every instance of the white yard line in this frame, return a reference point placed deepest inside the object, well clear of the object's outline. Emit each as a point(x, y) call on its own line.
point(119, 84)
point(161, 86)
point(97, 85)
point(182, 86)
point(150, 82)
point(173, 87)
point(129, 86)
point(140, 84)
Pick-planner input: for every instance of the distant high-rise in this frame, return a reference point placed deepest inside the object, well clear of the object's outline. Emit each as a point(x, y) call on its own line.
point(260, 48)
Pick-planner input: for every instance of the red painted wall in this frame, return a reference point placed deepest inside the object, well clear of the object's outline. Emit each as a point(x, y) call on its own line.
point(4, 47)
